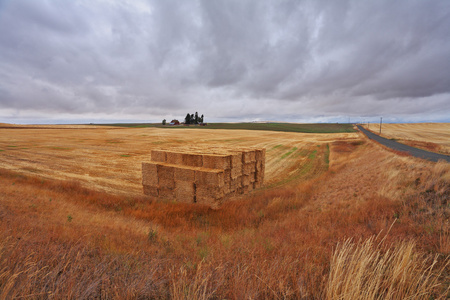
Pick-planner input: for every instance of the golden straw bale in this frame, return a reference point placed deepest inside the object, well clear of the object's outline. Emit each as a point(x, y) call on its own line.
point(236, 172)
point(210, 177)
point(184, 191)
point(240, 191)
point(246, 189)
point(259, 165)
point(192, 159)
point(216, 161)
point(259, 177)
point(184, 173)
point(246, 180)
point(252, 177)
point(236, 159)
point(165, 171)
point(249, 168)
point(149, 173)
point(227, 175)
point(260, 154)
point(208, 193)
point(175, 158)
point(227, 188)
point(248, 156)
point(257, 184)
point(151, 190)
point(166, 194)
point(235, 184)
point(166, 183)
point(158, 155)
point(165, 176)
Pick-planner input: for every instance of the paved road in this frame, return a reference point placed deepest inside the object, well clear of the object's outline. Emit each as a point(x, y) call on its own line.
point(405, 148)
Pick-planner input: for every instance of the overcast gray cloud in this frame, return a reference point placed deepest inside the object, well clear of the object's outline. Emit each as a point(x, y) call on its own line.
point(230, 60)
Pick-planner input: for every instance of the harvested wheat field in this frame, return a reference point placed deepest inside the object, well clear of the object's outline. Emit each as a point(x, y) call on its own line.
point(110, 158)
point(338, 217)
point(433, 137)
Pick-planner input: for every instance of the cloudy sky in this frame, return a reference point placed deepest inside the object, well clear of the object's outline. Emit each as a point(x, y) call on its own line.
point(98, 61)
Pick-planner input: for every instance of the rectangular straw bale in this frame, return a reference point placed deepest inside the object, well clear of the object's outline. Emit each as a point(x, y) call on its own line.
point(249, 168)
point(236, 172)
point(158, 155)
point(175, 158)
point(226, 188)
point(165, 171)
point(252, 177)
point(210, 177)
point(236, 159)
point(216, 161)
point(240, 191)
point(208, 192)
point(166, 183)
point(259, 177)
point(149, 174)
point(235, 184)
point(151, 190)
point(248, 156)
point(165, 176)
point(227, 175)
point(184, 173)
point(184, 191)
point(192, 159)
point(260, 154)
point(246, 189)
point(246, 180)
point(259, 165)
point(166, 194)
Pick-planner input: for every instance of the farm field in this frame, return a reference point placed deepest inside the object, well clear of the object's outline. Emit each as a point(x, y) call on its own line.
point(285, 127)
point(75, 224)
point(109, 159)
point(433, 137)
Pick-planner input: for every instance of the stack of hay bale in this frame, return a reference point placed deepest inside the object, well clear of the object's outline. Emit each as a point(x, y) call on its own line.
point(196, 177)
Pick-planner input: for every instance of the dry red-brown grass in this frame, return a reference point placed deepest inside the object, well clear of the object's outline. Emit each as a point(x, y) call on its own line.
point(59, 239)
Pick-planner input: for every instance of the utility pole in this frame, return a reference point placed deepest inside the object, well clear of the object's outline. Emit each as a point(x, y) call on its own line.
point(381, 122)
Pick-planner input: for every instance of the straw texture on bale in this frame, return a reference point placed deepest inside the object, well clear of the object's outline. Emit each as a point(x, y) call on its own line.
point(210, 177)
point(248, 156)
point(249, 168)
point(235, 184)
point(166, 193)
point(193, 160)
point(185, 191)
point(260, 154)
point(184, 174)
point(196, 177)
point(150, 190)
point(246, 180)
point(220, 162)
point(174, 158)
point(158, 155)
point(149, 173)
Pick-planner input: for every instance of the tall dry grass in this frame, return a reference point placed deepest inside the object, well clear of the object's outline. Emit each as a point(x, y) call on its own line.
point(274, 244)
point(370, 270)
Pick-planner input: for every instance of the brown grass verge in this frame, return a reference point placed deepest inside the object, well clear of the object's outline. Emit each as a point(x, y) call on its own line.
point(58, 239)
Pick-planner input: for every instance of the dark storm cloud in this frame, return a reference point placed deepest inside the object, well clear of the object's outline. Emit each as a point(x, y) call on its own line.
point(296, 60)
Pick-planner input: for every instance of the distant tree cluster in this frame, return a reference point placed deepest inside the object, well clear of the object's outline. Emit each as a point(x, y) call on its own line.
point(193, 119)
